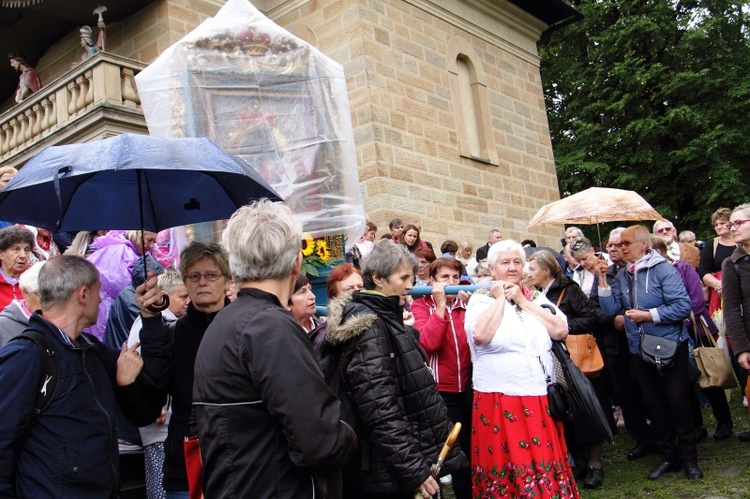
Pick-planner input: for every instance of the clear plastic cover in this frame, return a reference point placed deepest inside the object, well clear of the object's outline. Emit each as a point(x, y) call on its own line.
point(271, 98)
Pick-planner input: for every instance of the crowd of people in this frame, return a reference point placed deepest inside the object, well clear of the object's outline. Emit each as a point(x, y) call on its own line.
point(358, 403)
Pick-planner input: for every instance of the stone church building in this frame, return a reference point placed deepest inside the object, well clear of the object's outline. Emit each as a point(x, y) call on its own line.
point(446, 96)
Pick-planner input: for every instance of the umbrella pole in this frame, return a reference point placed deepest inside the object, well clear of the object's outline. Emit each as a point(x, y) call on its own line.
point(598, 232)
point(164, 303)
point(140, 211)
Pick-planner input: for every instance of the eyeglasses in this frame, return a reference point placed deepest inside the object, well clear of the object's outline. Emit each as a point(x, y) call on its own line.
point(625, 244)
point(210, 276)
point(736, 224)
point(665, 229)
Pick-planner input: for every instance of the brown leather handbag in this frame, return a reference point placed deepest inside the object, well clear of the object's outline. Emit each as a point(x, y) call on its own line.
point(713, 363)
point(584, 352)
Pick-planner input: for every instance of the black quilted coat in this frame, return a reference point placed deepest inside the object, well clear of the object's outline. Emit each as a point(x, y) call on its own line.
point(400, 418)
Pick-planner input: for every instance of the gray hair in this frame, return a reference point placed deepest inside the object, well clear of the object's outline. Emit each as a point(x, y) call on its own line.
point(29, 280)
point(685, 234)
point(504, 246)
point(547, 261)
point(744, 208)
point(580, 246)
point(62, 276)
point(15, 234)
point(263, 240)
point(169, 280)
point(385, 259)
point(665, 221)
point(571, 229)
point(616, 232)
point(196, 251)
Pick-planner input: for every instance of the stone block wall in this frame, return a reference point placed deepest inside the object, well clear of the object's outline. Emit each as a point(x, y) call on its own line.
point(402, 107)
point(394, 55)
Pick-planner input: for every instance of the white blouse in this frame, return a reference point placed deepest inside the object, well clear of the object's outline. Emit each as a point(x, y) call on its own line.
point(511, 363)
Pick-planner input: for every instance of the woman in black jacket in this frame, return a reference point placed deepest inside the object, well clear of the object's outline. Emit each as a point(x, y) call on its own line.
point(393, 402)
point(735, 283)
point(583, 315)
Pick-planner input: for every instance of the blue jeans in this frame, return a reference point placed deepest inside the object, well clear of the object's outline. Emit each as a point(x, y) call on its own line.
point(178, 494)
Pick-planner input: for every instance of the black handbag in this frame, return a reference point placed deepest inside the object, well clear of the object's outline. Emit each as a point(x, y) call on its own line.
point(657, 351)
point(560, 403)
point(654, 350)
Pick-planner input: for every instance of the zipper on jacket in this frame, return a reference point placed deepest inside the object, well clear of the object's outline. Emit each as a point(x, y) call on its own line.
point(109, 419)
point(455, 342)
point(458, 355)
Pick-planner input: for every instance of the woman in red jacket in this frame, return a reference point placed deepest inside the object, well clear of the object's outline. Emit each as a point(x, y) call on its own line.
point(440, 321)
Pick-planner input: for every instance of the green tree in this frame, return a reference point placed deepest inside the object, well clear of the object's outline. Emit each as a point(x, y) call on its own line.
point(653, 96)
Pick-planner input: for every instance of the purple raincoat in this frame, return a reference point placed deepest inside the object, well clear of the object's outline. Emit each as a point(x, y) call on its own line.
point(114, 258)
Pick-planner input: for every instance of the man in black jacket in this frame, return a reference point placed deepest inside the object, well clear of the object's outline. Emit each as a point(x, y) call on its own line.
point(70, 448)
point(492, 237)
point(268, 424)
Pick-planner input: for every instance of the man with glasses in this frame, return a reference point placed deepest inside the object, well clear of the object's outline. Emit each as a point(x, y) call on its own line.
point(677, 251)
point(205, 271)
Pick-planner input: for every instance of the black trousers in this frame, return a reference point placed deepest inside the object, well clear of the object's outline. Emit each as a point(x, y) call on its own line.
point(459, 411)
point(667, 399)
point(629, 396)
point(719, 406)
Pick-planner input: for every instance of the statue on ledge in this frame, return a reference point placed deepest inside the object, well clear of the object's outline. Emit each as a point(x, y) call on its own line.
point(29, 81)
point(87, 42)
point(87, 37)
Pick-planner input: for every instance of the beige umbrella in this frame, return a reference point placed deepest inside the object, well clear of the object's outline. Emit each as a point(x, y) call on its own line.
point(594, 206)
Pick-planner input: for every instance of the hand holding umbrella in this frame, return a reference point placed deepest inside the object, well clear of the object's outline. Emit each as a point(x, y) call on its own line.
point(148, 294)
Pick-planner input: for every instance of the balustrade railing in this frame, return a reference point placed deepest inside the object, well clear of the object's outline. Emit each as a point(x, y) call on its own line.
point(105, 79)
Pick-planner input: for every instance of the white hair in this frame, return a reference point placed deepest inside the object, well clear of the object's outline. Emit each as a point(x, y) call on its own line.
point(505, 246)
point(263, 240)
point(616, 232)
point(743, 208)
point(665, 221)
point(29, 280)
point(169, 280)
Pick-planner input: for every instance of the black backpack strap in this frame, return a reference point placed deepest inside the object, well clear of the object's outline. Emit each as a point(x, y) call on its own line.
point(49, 378)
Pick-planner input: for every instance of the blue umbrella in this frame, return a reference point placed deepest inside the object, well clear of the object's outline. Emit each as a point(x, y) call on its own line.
point(130, 182)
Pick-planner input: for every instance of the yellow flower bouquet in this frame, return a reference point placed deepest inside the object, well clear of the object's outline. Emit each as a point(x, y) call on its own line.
point(315, 255)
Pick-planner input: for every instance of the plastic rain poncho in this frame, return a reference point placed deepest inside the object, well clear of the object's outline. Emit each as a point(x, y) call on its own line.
point(271, 98)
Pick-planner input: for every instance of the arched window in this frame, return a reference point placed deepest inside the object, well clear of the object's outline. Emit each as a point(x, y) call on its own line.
point(470, 104)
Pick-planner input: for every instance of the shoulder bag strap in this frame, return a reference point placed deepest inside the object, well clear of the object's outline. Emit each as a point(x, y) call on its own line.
point(559, 298)
point(631, 287)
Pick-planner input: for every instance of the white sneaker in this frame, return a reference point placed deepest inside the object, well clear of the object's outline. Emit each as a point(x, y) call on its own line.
point(446, 480)
point(744, 401)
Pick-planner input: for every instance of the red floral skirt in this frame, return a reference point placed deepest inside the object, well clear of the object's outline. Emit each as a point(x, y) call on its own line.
point(517, 449)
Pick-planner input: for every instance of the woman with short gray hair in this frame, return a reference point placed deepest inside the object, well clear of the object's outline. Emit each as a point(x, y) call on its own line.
point(391, 397)
point(266, 419)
